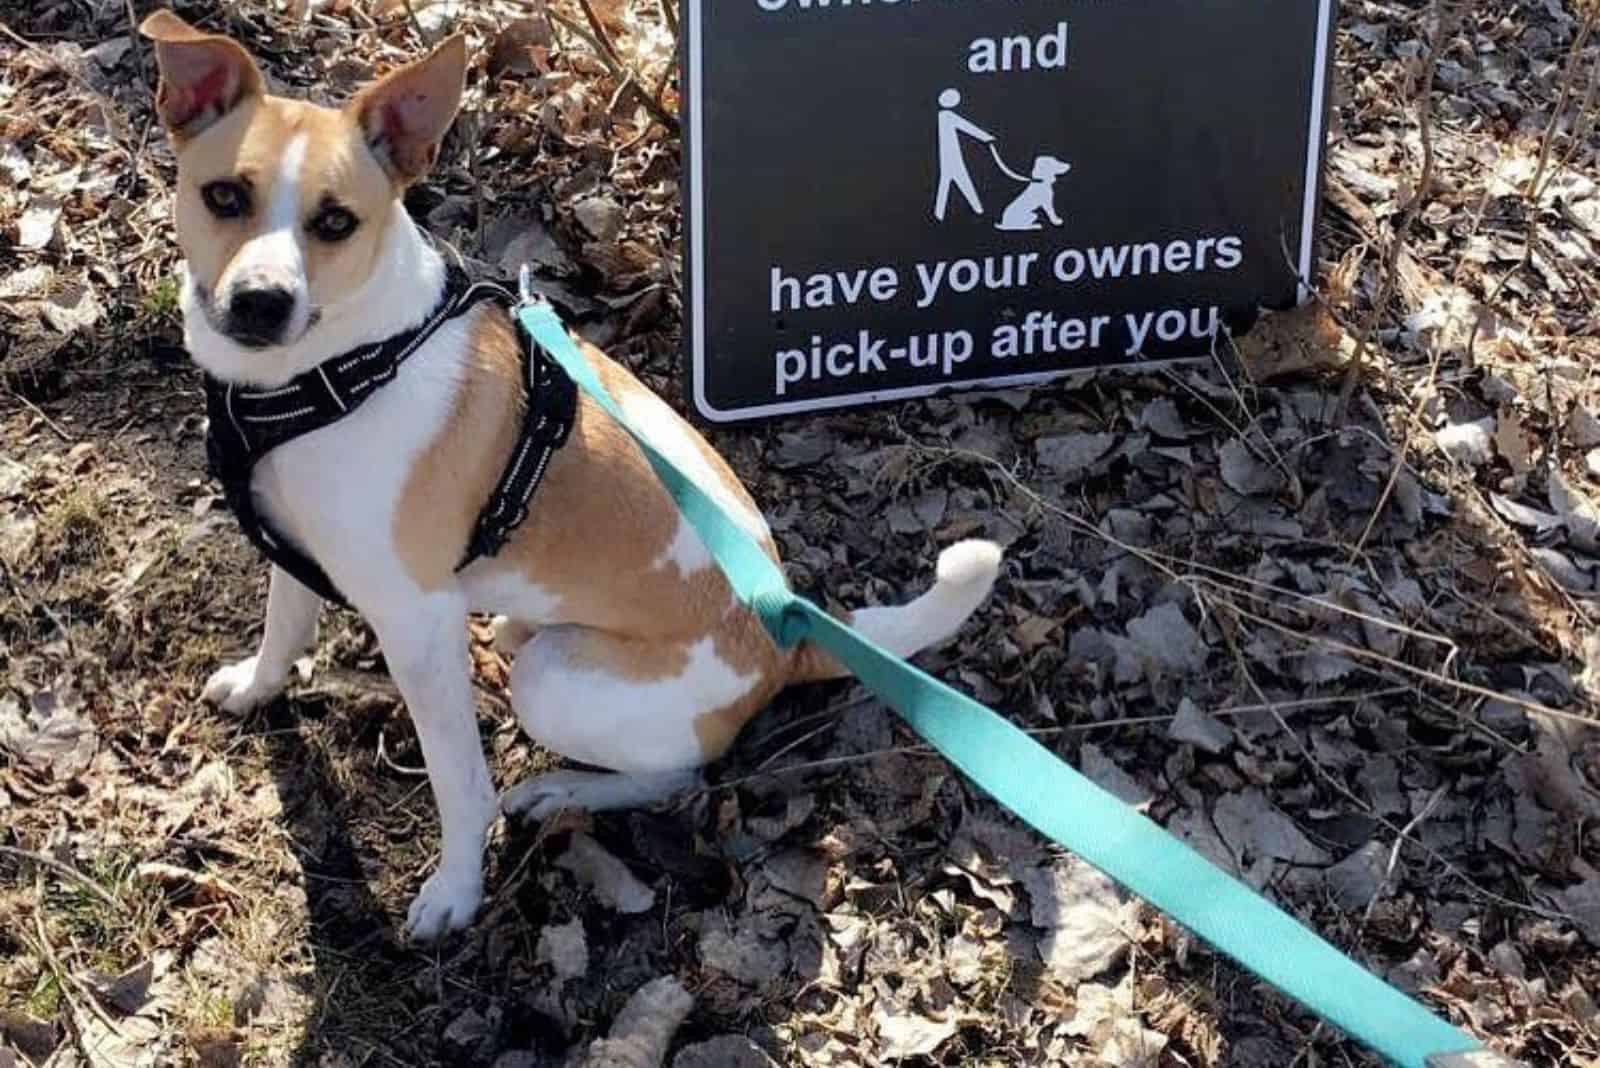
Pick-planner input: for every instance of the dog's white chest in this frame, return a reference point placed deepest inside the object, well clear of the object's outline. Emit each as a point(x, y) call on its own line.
point(335, 491)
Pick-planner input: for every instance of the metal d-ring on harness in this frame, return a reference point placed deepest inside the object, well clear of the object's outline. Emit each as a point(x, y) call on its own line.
point(247, 424)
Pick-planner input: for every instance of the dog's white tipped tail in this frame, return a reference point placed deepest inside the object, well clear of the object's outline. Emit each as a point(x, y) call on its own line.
point(970, 563)
point(965, 574)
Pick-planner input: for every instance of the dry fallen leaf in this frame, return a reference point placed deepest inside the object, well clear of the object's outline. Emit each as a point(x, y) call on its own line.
point(909, 1034)
point(1089, 921)
point(1294, 342)
point(742, 951)
point(37, 226)
point(1068, 455)
point(1160, 642)
point(1261, 836)
point(72, 308)
point(28, 283)
point(1247, 474)
point(1198, 729)
point(13, 164)
point(51, 736)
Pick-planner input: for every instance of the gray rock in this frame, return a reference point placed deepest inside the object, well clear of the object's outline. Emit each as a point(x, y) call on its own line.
point(601, 216)
point(1471, 444)
point(724, 1051)
point(520, 1058)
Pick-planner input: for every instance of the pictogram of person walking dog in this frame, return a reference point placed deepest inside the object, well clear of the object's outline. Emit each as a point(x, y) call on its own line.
point(1038, 196)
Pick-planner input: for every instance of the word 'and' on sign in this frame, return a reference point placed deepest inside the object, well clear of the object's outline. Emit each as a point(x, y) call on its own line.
point(887, 198)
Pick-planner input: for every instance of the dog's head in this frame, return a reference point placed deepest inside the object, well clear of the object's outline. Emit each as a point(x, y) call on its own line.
point(1048, 168)
point(282, 206)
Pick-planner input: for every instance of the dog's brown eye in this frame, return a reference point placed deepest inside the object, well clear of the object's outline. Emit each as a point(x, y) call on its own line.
point(226, 199)
point(333, 224)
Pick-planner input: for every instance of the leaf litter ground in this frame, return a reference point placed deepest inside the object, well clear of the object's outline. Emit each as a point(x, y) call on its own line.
point(1345, 657)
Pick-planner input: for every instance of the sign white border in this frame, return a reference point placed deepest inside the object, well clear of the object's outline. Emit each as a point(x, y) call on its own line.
point(697, 233)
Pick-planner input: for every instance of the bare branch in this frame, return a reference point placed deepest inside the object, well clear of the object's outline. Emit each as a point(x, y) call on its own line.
point(1446, 18)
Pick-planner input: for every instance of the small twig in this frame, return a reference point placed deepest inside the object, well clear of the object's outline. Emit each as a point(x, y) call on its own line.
point(767, 772)
point(416, 24)
point(1447, 16)
point(30, 603)
point(613, 63)
point(1402, 834)
point(136, 39)
point(1401, 667)
point(627, 85)
point(38, 411)
point(1394, 852)
point(669, 66)
point(1326, 776)
point(1395, 468)
point(1586, 117)
point(401, 769)
point(66, 979)
point(1569, 78)
point(599, 31)
point(1534, 191)
point(1290, 479)
point(478, 214)
point(63, 869)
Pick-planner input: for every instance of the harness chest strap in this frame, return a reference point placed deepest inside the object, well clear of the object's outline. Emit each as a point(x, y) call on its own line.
point(245, 425)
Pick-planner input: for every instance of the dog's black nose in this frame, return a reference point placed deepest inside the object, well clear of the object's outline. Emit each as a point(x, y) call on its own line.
point(257, 316)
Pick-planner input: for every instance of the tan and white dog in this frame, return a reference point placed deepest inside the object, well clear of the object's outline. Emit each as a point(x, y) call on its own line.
point(631, 652)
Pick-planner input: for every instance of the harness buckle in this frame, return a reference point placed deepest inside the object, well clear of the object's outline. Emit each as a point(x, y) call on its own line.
point(529, 297)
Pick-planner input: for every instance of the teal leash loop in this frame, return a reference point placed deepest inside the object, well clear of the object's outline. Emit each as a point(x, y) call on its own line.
point(1045, 792)
point(786, 617)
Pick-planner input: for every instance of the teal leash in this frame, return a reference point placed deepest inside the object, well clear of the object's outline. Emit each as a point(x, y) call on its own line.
point(1047, 793)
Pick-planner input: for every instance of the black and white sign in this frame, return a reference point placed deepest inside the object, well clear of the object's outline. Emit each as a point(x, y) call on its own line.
point(892, 197)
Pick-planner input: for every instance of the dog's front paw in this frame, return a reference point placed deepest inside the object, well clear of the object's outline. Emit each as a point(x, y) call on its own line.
point(447, 902)
point(240, 687)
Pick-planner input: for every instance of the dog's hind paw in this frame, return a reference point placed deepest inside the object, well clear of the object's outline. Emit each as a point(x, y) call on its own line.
point(544, 795)
point(447, 902)
point(240, 687)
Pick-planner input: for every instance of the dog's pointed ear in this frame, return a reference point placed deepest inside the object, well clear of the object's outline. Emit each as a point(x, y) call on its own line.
point(203, 76)
point(406, 113)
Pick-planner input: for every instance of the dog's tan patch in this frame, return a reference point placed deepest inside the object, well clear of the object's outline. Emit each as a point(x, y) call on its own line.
point(715, 731)
point(446, 488)
point(246, 146)
point(596, 538)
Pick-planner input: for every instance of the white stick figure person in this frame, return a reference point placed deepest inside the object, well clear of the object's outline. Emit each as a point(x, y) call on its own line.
point(952, 159)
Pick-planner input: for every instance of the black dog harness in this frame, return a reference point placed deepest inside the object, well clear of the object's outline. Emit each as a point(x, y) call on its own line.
point(247, 424)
